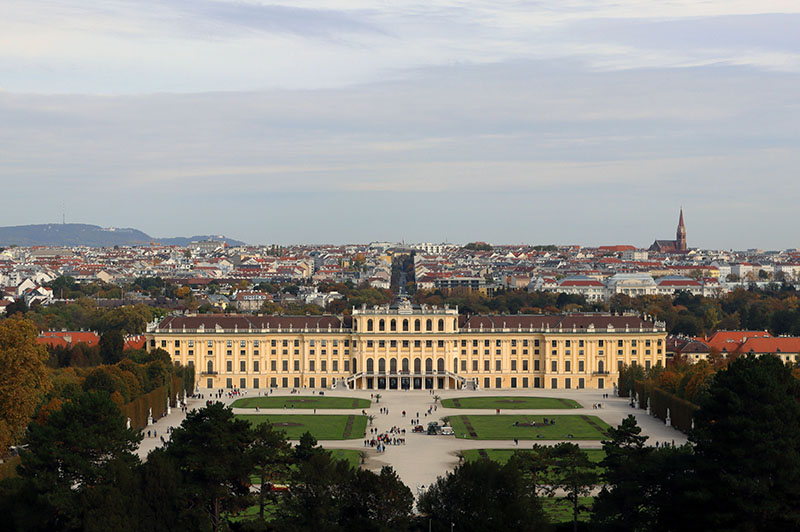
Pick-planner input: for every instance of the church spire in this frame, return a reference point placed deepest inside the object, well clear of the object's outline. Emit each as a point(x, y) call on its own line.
point(680, 240)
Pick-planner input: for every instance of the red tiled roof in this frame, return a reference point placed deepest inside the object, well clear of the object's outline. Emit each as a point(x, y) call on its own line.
point(730, 341)
point(772, 345)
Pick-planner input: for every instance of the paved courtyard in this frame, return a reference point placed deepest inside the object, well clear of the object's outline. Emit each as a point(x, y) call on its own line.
point(424, 457)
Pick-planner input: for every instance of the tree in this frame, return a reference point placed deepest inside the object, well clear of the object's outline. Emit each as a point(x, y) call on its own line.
point(482, 495)
point(745, 438)
point(72, 461)
point(574, 473)
point(270, 453)
point(645, 488)
point(376, 502)
point(210, 449)
point(111, 345)
point(23, 378)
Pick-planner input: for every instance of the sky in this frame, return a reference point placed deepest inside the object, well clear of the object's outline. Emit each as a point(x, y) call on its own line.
point(585, 122)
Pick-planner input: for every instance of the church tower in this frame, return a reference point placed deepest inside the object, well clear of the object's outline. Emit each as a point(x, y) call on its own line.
point(680, 240)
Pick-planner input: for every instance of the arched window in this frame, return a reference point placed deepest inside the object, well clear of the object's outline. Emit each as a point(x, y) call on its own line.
point(369, 325)
point(405, 325)
point(440, 364)
point(416, 325)
point(355, 366)
point(429, 325)
point(600, 366)
point(393, 365)
point(417, 366)
point(441, 325)
point(455, 324)
point(405, 365)
point(210, 366)
point(382, 365)
point(381, 325)
point(428, 365)
point(355, 325)
point(393, 325)
point(370, 366)
point(455, 365)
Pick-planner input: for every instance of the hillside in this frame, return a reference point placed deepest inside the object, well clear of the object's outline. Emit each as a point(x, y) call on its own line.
point(89, 235)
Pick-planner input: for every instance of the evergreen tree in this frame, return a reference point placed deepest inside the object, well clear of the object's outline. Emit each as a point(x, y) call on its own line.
point(747, 442)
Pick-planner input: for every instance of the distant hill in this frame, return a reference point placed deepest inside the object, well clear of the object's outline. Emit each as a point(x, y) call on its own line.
point(90, 235)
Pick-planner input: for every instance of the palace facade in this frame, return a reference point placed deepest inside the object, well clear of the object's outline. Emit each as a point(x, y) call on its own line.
point(410, 347)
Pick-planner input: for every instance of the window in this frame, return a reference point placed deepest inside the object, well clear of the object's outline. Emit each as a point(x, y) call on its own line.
point(619, 343)
point(537, 382)
point(335, 365)
point(486, 365)
point(497, 352)
point(405, 343)
point(497, 365)
point(163, 343)
point(536, 366)
point(177, 343)
point(311, 365)
point(229, 343)
point(255, 383)
point(440, 344)
point(524, 365)
point(536, 343)
point(417, 343)
point(242, 352)
point(229, 352)
point(255, 343)
point(381, 325)
point(274, 343)
point(242, 366)
point(513, 343)
point(567, 366)
point(474, 365)
point(369, 325)
point(633, 343)
point(369, 343)
point(600, 343)
point(242, 343)
point(646, 364)
point(553, 343)
point(297, 365)
point(191, 343)
point(513, 365)
point(382, 343)
point(486, 343)
point(393, 343)
point(463, 365)
point(498, 382)
point(346, 365)
point(428, 343)
point(554, 366)
point(285, 365)
point(580, 366)
point(567, 383)
point(229, 366)
point(273, 365)
point(581, 383)
point(554, 353)
point(554, 383)
point(323, 365)
point(567, 343)
point(580, 343)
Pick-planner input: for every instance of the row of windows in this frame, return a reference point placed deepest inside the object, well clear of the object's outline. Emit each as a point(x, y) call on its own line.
point(523, 382)
point(393, 343)
point(405, 325)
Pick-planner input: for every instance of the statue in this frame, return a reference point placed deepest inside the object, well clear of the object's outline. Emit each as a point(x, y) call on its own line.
point(668, 421)
point(649, 411)
point(128, 424)
point(169, 410)
point(150, 417)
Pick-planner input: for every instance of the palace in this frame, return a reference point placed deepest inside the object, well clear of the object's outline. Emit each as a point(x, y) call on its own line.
point(410, 347)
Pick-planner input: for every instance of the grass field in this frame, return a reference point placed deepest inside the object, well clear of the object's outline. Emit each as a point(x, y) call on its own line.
point(502, 427)
point(502, 455)
point(559, 510)
point(305, 402)
point(509, 403)
point(322, 427)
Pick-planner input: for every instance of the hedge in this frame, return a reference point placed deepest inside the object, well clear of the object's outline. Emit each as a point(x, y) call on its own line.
point(139, 409)
point(681, 411)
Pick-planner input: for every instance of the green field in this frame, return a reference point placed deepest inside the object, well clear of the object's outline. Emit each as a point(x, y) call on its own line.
point(322, 427)
point(302, 401)
point(559, 510)
point(502, 455)
point(494, 427)
point(510, 403)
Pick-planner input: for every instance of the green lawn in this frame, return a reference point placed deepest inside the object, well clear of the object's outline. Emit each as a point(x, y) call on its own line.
point(352, 456)
point(559, 510)
point(302, 401)
point(502, 455)
point(510, 403)
point(494, 427)
point(322, 427)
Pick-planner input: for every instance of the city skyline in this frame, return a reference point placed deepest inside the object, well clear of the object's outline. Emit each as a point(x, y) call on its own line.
point(589, 123)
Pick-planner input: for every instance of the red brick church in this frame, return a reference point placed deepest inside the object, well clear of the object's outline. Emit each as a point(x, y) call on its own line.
point(672, 246)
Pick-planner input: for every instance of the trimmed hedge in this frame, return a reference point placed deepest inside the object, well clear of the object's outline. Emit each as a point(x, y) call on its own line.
point(139, 409)
point(681, 411)
point(8, 469)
